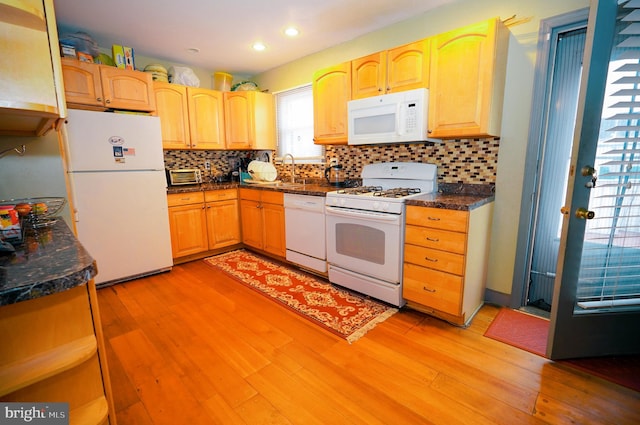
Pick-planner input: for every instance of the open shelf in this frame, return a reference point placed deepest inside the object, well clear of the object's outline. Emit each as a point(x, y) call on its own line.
point(27, 371)
point(94, 412)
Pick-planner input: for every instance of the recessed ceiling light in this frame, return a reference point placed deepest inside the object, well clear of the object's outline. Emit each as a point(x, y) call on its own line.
point(259, 46)
point(193, 50)
point(291, 31)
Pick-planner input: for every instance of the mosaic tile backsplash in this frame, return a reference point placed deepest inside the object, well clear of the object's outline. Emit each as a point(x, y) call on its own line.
point(469, 161)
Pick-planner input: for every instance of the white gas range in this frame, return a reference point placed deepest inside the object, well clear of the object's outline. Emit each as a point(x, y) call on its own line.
point(365, 227)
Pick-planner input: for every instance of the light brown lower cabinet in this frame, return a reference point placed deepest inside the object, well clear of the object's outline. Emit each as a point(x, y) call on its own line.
point(52, 350)
point(203, 221)
point(223, 218)
point(262, 216)
point(445, 261)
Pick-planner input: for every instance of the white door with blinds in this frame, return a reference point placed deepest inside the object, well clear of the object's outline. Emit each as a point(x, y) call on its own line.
point(596, 303)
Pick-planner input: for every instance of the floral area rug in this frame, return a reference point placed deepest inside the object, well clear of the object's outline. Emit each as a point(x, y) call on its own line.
point(341, 312)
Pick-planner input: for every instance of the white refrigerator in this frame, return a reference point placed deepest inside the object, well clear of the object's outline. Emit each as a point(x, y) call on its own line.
point(118, 191)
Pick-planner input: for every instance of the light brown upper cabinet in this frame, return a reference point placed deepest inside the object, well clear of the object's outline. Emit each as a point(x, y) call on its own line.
point(206, 118)
point(172, 106)
point(401, 68)
point(250, 120)
point(31, 89)
point(101, 87)
point(466, 92)
point(331, 92)
point(191, 118)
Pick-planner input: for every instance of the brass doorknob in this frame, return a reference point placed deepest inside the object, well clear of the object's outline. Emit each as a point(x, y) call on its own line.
point(584, 214)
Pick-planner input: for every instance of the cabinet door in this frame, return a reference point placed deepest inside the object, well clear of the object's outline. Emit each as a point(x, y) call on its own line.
point(264, 121)
point(331, 92)
point(127, 89)
point(29, 70)
point(206, 118)
point(188, 224)
point(82, 83)
point(467, 81)
point(251, 219)
point(240, 128)
point(223, 223)
point(171, 107)
point(408, 67)
point(274, 228)
point(369, 75)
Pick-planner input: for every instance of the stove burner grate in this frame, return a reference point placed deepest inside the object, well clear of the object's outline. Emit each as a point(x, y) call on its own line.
point(396, 192)
point(360, 190)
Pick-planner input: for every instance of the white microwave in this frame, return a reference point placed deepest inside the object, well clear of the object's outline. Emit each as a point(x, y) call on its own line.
point(389, 118)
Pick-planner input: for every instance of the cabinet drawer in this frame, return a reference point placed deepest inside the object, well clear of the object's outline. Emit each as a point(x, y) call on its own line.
point(434, 238)
point(438, 218)
point(220, 195)
point(269, 197)
point(432, 288)
point(251, 194)
point(434, 259)
point(174, 199)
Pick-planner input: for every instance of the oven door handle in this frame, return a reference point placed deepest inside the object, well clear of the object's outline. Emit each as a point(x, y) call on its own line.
point(366, 215)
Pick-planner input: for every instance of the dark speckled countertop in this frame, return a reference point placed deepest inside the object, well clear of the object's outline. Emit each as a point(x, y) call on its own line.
point(48, 261)
point(462, 197)
point(450, 195)
point(314, 188)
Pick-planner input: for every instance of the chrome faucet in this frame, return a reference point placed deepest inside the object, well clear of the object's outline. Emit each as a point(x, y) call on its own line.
point(293, 166)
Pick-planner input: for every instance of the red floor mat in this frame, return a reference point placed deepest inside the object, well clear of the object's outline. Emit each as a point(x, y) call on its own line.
point(520, 330)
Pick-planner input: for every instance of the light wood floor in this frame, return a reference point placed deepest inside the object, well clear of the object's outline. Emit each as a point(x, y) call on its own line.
point(193, 346)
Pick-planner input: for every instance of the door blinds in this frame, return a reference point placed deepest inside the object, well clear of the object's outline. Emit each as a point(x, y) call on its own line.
point(610, 270)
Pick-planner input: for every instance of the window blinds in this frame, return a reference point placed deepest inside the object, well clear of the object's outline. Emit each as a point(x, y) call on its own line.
point(294, 117)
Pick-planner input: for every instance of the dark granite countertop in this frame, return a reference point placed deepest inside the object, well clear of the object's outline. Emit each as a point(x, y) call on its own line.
point(450, 195)
point(313, 188)
point(49, 260)
point(463, 197)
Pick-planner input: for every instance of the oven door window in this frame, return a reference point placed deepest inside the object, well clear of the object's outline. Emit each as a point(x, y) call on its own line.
point(366, 245)
point(361, 242)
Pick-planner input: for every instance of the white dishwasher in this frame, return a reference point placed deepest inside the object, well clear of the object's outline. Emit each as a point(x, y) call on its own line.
point(305, 231)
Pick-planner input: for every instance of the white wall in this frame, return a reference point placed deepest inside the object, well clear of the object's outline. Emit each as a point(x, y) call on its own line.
point(517, 104)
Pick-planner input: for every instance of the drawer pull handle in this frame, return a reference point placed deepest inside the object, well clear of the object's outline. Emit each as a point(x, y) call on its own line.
point(432, 239)
point(428, 290)
point(433, 260)
point(433, 218)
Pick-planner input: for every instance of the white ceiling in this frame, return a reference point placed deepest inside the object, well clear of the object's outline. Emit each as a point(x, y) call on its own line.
point(225, 30)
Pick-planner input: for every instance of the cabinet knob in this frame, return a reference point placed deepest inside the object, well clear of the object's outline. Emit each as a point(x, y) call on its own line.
point(107, 101)
point(433, 218)
point(424, 288)
point(433, 260)
point(432, 239)
point(99, 99)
